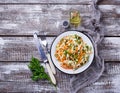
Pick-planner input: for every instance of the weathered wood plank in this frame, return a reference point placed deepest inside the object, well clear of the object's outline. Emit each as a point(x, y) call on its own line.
point(102, 2)
point(109, 2)
point(108, 83)
point(22, 48)
point(25, 19)
point(46, 1)
point(110, 10)
point(112, 26)
point(18, 49)
point(110, 49)
point(26, 87)
point(15, 77)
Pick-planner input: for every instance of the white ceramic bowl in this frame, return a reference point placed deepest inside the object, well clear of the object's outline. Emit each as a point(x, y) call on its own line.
point(57, 63)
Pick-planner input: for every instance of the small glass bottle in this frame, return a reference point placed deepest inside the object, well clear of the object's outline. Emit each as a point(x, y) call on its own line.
point(75, 18)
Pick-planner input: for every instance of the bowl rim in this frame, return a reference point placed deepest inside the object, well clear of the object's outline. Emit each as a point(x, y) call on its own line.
point(82, 32)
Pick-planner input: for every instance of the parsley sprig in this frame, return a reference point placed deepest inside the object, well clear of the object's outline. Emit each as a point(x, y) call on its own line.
point(38, 71)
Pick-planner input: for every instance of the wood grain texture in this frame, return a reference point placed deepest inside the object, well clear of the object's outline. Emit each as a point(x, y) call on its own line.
point(110, 49)
point(18, 49)
point(109, 2)
point(15, 77)
point(26, 19)
point(112, 26)
point(46, 1)
point(108, 82)
point(110, 11)
point(22, 48)
point(102, 2)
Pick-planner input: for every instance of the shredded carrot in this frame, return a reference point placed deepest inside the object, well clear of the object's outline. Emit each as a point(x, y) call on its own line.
point(66, 66)
point(68, 47)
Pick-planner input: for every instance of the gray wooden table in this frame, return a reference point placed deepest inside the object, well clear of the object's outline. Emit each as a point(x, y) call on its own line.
point(20, 18)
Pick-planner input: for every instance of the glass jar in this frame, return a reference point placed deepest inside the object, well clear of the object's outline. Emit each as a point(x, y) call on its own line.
point(75, 18)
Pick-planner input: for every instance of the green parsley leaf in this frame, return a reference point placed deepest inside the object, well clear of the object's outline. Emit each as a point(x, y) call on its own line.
point(38, 71)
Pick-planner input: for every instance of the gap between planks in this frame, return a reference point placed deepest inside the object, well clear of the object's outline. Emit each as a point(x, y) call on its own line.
point(27, 35)
point(44, 4)
point(100, 2)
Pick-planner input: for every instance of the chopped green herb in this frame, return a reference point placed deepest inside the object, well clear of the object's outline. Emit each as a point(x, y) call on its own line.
point(66, 52)
point(78, 39)
point(38, 71)
point(87, 47)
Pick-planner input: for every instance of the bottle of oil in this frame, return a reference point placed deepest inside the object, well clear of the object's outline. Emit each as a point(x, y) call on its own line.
point(75, 18)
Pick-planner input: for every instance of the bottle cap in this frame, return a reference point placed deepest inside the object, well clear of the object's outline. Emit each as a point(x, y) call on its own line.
point(65, 24)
